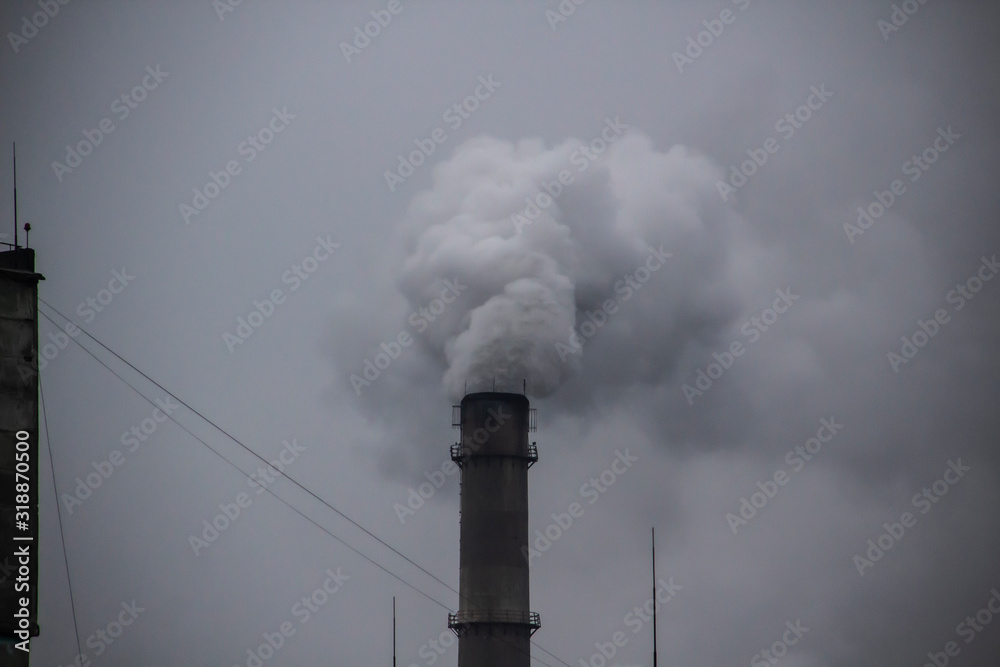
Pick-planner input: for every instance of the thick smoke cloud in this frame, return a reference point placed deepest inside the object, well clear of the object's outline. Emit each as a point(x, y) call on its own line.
point(551, 245)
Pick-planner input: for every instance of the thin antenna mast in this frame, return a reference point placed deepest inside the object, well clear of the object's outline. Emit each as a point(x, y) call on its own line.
point(654, 597)
point(393, 631)
point(14, 145)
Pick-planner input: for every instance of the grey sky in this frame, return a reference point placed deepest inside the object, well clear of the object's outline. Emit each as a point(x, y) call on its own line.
point(328, 127)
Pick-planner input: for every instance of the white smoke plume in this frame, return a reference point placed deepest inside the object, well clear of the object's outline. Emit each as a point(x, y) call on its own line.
point(535, 255)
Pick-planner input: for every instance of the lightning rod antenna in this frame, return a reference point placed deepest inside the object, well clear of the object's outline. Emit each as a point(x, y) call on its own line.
point(14, 146)
point(654, 597)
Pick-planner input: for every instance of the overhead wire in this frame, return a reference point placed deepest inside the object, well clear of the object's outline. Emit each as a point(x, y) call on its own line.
point(62, 532)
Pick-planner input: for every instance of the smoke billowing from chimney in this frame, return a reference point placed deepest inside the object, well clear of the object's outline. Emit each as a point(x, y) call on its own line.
point(539, 237)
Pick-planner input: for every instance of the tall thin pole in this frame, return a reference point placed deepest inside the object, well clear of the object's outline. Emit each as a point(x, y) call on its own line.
point(654, 597)
point(14, 145)
point(393, 631)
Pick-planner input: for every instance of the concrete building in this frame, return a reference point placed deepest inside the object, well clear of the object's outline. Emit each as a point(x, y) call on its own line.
point(18, 452)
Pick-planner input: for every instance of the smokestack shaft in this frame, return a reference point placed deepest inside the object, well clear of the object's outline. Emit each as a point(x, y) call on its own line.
point(494, 623)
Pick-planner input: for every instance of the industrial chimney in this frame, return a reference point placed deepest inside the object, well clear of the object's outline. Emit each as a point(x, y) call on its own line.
point(493, 623)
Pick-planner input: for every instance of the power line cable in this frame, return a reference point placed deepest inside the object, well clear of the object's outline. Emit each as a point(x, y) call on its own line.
point(62, 533)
